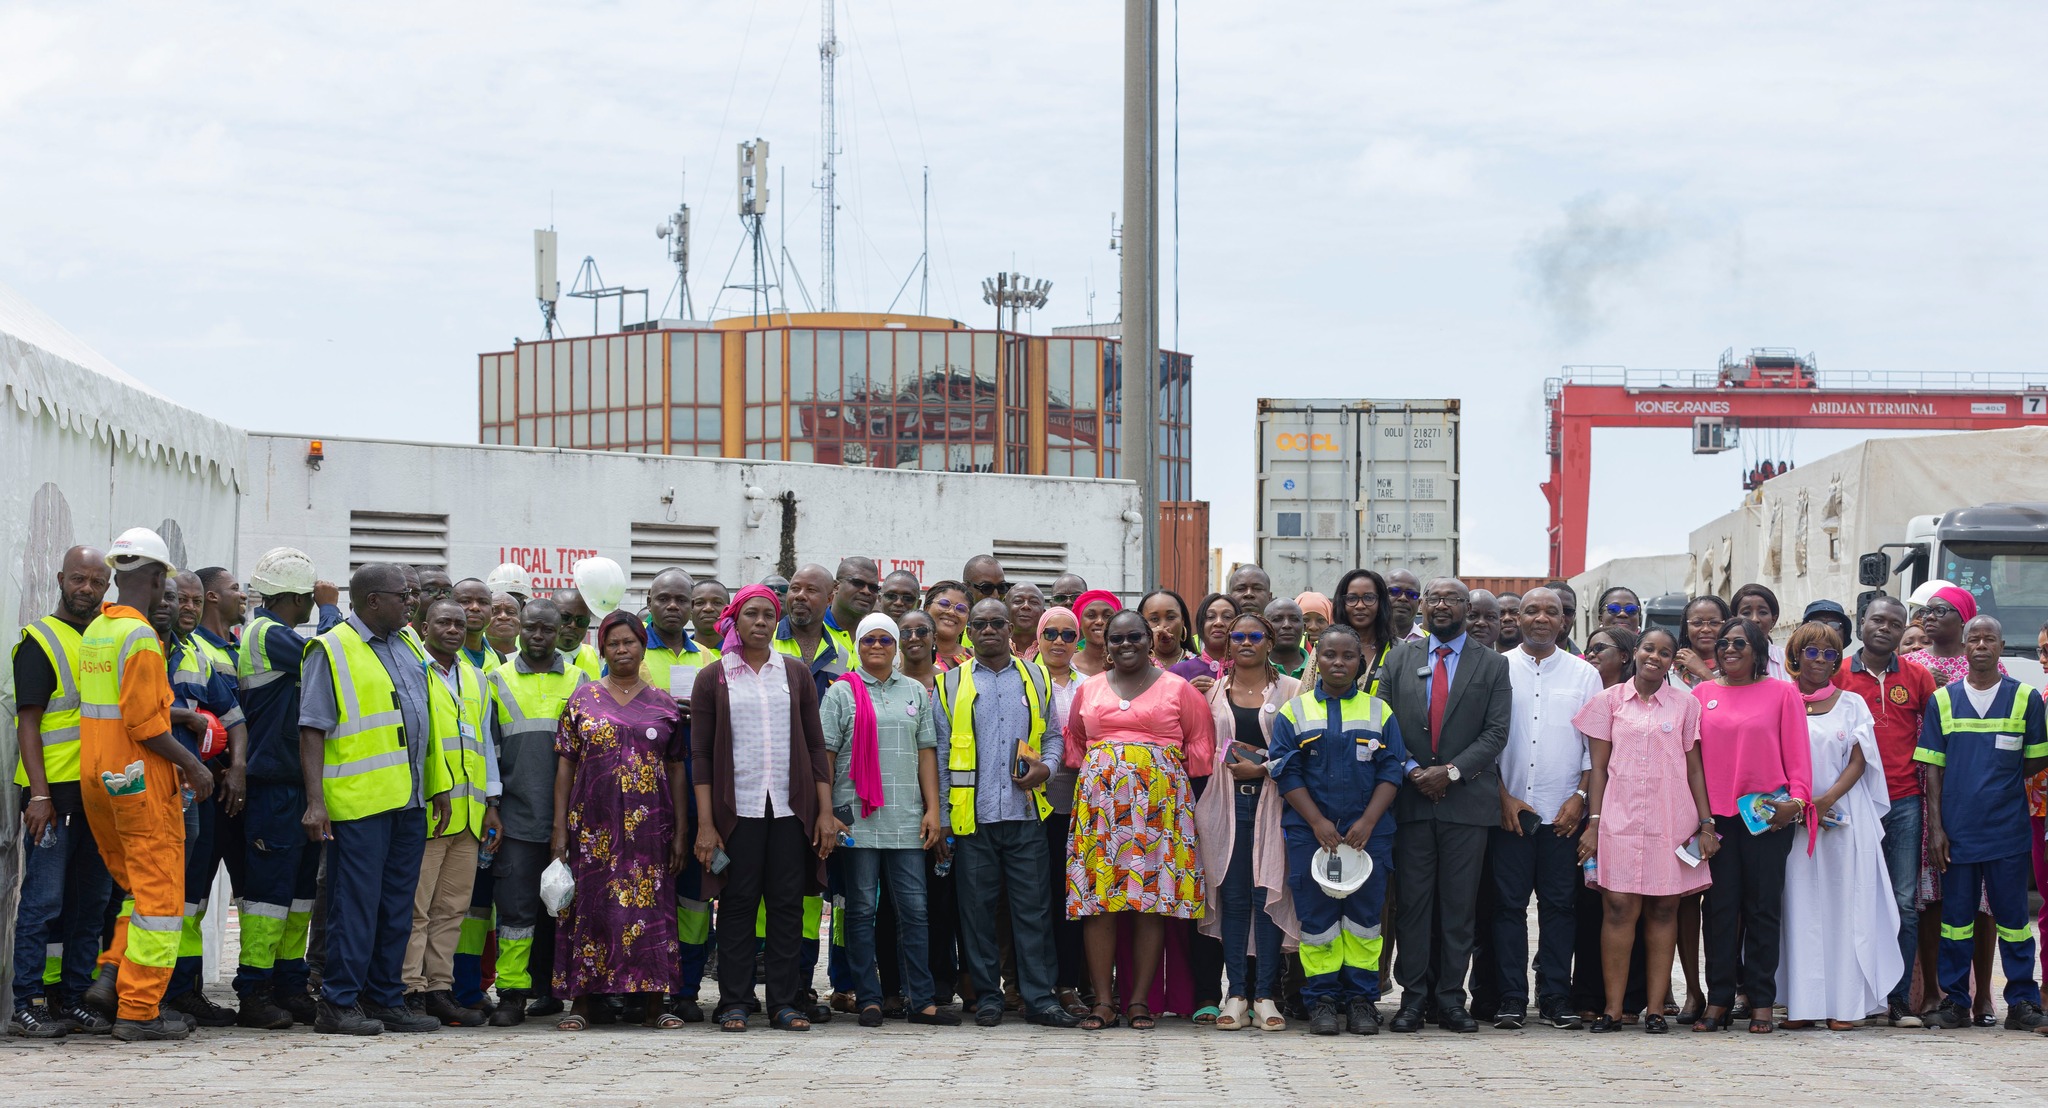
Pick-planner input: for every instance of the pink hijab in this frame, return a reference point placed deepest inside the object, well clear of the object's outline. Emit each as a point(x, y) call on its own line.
point(1960, 599)
point(1314, 602)
point(728, 620)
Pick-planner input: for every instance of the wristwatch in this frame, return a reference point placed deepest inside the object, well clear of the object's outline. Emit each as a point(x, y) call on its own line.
point(493, 801)
point(1580, 793)
point(1452, 769)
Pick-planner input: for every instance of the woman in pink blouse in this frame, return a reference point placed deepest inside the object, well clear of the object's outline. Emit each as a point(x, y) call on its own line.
point(1752, 740)
point(1133, 732)
point(1647, 797)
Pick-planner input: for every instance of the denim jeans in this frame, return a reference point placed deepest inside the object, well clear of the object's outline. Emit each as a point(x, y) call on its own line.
point(862, 870)
point(1244, 910)
point(999, 862)
point(1902, 858)
point(64, 893)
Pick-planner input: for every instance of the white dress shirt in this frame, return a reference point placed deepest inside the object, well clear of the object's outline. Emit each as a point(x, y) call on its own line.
point(1545, 754)
point(760, 736)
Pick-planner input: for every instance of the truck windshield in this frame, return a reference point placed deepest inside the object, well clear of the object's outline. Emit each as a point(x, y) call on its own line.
point(2009, 580)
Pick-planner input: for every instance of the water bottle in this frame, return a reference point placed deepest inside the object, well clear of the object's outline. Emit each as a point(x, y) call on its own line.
point(945, 866)
point(49, 837)
point(1592, 868)
point(489, 853)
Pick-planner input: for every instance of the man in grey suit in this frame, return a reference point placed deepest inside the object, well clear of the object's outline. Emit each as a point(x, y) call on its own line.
point(1457, 702)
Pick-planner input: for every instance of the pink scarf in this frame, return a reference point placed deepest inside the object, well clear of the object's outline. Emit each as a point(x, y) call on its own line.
point(728, 620)
point(865, 767)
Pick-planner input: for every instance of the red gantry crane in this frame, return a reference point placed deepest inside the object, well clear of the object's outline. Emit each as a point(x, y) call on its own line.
point(1770, 388)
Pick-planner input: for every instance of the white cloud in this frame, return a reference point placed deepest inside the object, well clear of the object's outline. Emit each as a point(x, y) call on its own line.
point(1406, 168)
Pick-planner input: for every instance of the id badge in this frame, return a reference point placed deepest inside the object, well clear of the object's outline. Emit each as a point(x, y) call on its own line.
point(681, 680)
point(467, 730)
point(2010, 742)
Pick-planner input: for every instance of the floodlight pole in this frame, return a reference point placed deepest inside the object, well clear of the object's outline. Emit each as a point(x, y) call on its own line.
point(1140, 331)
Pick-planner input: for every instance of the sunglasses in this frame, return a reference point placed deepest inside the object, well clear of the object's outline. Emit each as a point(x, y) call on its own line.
point(1129, 638)
point(945, 605)
point(1598, 648)
point(1819, 653)
point(901, 597)
point(1064, 599)
point(878, 640)
point(991, 588)
point(864, 586)
point(917, 632)
point(1623, 609)
point(1731, 644)
point(1242, 637)
point(1400, 593)
point(1060, 634)
point(989, 625)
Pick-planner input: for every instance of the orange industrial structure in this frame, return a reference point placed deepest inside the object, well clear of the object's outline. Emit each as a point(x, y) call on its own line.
point(1769, 388)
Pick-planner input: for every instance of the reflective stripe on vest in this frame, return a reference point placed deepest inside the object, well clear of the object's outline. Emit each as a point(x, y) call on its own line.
point(1310, 717)
point(253, 670)
point(458, 762)
point(2014, 722)
point(956, 701)
point(103, 657)
point(365, 765)
point(64, 646)
point(531, 702)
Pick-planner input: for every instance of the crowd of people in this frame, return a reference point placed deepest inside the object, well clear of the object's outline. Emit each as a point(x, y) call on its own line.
point(456, 805)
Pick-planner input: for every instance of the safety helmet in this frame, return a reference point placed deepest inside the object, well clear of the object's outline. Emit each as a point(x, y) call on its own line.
point(136, 546)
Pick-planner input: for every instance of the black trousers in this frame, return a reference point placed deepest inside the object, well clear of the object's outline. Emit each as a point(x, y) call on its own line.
point(1067, 933)
point(1436, 878)
point(1488, 987)
point(1547, 865)
point(771, 864)
point(1744, 912)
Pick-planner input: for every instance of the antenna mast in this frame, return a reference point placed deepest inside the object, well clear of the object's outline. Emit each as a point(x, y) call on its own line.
point(676, 229)
point(828, 54)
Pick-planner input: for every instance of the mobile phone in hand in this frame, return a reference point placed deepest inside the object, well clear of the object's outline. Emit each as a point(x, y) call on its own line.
point(1530, 821)
point(1023, 767)
point(719, 860)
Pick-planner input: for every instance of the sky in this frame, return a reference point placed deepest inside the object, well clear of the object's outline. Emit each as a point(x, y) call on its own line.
point(312, 218)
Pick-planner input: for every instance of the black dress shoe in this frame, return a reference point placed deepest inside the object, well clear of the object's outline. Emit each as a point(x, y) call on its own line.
point(937, 1017)
point(1456, 1018)
point(1406, 1021)
point(1053, 1015)
point(989, 1015)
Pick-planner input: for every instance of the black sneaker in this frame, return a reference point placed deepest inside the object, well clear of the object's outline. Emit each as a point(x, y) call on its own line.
point(37, 1020)
point(260, 1013)
point(157, 1030)
point(345, 1021)
point(2024, 1015)
point(88, 1021)
point(441, 1005)
point(511, 1010)
point(402, 1018)
point(203, 1011)
point(1901, 1016)
point(1949, 1017)
point(1564, 1019)
point(1323, 1020)
point(1364, 1017)
point(1510, 1016)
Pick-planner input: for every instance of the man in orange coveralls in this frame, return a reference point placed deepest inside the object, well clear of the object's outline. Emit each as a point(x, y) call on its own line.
point(129, 768)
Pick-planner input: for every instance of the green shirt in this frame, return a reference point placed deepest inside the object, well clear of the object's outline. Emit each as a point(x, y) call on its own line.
point(903, 726)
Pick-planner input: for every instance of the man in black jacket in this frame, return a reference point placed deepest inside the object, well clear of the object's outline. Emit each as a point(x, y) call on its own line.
point(1456, 702)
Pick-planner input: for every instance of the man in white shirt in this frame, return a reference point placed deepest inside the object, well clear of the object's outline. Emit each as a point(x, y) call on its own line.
point(1543, 773)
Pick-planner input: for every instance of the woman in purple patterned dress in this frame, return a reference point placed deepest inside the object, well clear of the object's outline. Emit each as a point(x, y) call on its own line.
point(618, 787)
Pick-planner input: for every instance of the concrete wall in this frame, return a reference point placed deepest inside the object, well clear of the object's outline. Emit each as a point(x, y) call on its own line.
point(547, 508)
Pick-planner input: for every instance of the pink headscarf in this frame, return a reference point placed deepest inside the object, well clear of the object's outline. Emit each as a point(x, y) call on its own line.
point(728, 620)
point(1959, 599)
point(1045, 617)
point(1081, 603)
point(1314, 602)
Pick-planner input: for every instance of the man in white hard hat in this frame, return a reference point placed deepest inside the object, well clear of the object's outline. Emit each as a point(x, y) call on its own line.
point(131, 767)
point(280, 869)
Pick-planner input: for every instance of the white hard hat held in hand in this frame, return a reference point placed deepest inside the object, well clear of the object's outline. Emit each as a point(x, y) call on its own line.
point(602, 584)
point(282, 571)
point(136, 546)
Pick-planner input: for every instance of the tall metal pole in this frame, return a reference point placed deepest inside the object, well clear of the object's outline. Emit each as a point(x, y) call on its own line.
point(828, 54)
point(1140, 332)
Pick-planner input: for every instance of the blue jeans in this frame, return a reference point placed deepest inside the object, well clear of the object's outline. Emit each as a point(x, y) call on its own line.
point(64, 893)
point(1006, 861)
point(863, 870)
point(1244, 908)
point(1902, 858)
point(373, 870)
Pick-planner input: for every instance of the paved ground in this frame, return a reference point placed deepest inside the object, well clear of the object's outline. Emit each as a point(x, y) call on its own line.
point(900, 1064)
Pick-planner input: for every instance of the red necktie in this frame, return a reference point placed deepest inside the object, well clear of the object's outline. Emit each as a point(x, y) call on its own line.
point(1439, 696)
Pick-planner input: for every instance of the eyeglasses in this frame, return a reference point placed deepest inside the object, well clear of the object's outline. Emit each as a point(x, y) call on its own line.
point(1253, 637)
point(1594, 650)
point(386, 592)
point(864, 586)
point(1938, 608)
point(1623, 609)
point(945, 605)
point(1818, 653)
point(878, 640)
point(1705, 622)
point(991, 588)
point(1128, 638)
point(988, 625)
point(1397, 592)
point(1444, 601)
point(917, 632)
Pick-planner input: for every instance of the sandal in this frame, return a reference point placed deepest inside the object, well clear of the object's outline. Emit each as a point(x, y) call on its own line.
point(733, 1018)
point(1070, 999)
point(1708, 1021)
point(1841, 1025)
point(790, 1019)
point(1232, 1016)
point(1689, 1014)
point(1145, 1022)
point(1206, 1015)
point(1095, 1021)
point(1798, 1025)
point(663, 1021)
point(1761, 1026)
point(573, 1020)
point(1269, 1015)
point(1654, 1024)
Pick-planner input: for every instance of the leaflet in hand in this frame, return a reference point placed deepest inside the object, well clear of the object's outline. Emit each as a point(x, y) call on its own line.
point(1689, 851)
point(1756, 809)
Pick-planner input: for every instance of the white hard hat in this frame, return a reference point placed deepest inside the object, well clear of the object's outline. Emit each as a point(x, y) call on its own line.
point(1353, 867)
point(137, 545)
point(282, 571)
point(602, 584)
point(510, 578)
point(1926, 592)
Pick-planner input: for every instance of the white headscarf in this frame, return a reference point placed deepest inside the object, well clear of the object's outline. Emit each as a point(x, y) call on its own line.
point(877, 621)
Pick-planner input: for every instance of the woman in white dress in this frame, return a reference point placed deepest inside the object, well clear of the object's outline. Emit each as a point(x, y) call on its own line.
point(1841, 923)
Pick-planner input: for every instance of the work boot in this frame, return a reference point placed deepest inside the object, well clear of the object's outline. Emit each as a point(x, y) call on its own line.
point(260, 1013)
point(1364, 1017)
point(2024, 1015)
point(173, 1016)
point(203, 1011)
point(160, 1029)
point(89, 1022)
point(402, 1018)
point(441, 1005)
point(37, 1020)
point(104, 994)
point(544, 1006)
point(1323, 1020)
point(416, 1002)
point(299, 1004)
point(511, 1010)
point(1949, 1017)
point(344, 1021)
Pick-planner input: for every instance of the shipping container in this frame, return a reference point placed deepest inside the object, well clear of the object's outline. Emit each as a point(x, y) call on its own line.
point(1184, 547)
point(1350, 483)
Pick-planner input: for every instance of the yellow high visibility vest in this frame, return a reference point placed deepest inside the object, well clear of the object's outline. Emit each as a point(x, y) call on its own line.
point(456, 764)
point(956, 702)
point(63, 645)
point(365, 768)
